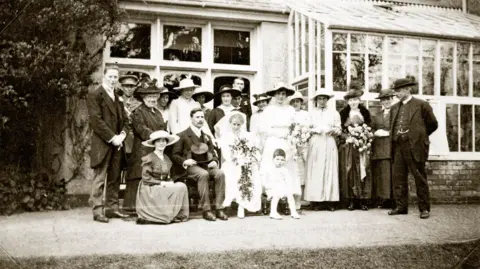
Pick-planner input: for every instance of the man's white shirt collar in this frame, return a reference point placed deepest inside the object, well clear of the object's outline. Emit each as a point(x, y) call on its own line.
point(406, 100)
point(196, 131)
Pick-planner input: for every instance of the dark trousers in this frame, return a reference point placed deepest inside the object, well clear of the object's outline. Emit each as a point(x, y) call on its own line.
point(403, 162)
point(202, 177)
point(110, 169)
point(130, 197)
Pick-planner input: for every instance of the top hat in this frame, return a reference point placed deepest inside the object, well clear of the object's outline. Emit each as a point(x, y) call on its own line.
point(227, 89)
point(186, 83)
point(171, 139)
point(129, 80)
point(322, 92)
point(402, 83)
point(202, 91)
point(385, 93)
point(200, 153)
point(296, 95)
point(281, 86)
point(261, 97)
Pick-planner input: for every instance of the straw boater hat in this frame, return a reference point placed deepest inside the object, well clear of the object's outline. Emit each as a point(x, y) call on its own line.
point(186, 83)
point(402, 83)
point(354, 91)
point(296, 95)
point(322, 92)
point(130, 80)
point(261, 97)
point(200, 153)
point(281, 86)
point(226, 88)
point(171, 139)
point(385, 93)
point(202, 91)
point(149, 88)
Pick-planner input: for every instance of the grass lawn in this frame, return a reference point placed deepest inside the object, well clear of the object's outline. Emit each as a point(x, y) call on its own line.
point(406, 256)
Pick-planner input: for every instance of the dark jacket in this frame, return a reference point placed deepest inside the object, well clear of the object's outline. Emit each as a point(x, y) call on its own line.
point(345, 113)
point(181, 151)
point(107, 119)
point(145, 121)
point(422, 123)
point(381, 146)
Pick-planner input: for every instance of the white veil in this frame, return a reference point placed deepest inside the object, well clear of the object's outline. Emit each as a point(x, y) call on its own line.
point(223, 126)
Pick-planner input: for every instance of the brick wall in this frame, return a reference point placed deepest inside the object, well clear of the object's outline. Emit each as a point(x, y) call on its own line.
point(452, 182)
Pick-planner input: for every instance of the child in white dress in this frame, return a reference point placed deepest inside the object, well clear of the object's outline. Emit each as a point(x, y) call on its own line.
point(279, 184)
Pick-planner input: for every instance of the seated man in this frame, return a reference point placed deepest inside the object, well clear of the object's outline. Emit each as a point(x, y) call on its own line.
point(201, 172)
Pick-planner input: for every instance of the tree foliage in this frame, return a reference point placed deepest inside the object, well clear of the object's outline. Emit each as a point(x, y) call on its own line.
point(45, 58)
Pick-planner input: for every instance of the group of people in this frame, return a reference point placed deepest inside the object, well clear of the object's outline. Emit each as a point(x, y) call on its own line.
point(166, 136)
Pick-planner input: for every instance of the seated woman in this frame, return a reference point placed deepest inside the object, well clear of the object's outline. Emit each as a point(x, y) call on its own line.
point(159, 199)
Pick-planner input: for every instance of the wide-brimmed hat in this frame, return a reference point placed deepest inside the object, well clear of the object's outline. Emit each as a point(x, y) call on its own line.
point(261, 97)
point(130, 80)
point(281, 86)
point(149, 88)
point(402, 83)
point(228, 89)
point(200, 153)
point(385, 93)
point(171, 139)
point(164, 90)
point(202, 91)
point(354, 90)
point(322, 92)
point(186, 83)
point(296, 95)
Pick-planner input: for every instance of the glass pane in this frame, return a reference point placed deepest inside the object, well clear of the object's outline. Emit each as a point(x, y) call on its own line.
point(446, 49)
point(339, 71)
point(462, 68)
point(375, 44)
point(357, 69)
point(181, 43)
point(428, 73)
point(394, 68)
point(374, 72)
point(171, 81)
point(476, 51)
point(395, 45)
point(477, 128)
point(446, 77)
point(133, 41)
point(429, 47)
point(476, 79)
point(339, 42)
point(357, 43)
point(452, 126)
point(466, 130)
point(411, 71)
point(231, 47)
point(412, 47)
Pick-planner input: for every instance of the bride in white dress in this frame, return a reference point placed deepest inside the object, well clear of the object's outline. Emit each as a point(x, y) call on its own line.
point(232, 127)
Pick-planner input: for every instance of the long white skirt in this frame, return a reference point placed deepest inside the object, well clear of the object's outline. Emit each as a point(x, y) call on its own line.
point(232, 188)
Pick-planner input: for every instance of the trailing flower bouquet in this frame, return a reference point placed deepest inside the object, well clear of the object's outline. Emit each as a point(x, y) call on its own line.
point(360, 136)
point(298, 137)
point(244, 154)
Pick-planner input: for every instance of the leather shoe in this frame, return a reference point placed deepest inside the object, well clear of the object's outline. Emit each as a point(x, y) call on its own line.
point(221, 215)
point(116, 214)
point(101, 218)
point(424, 214)
point(208, 215)
point(397, 211)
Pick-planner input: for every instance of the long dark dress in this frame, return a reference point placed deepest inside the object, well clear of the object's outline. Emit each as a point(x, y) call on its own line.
point(352, 186)
point(156, 202)
point(381, 158)
point(145, 121)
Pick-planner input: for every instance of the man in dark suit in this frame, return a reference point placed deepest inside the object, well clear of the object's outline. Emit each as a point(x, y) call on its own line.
point(242, 102)
point(182, 156)
point(109, 123)
point(411, 122)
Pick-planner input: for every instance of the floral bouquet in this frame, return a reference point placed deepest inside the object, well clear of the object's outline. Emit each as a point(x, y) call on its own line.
point(360, 136)
point(298, 137)
point(244, 154)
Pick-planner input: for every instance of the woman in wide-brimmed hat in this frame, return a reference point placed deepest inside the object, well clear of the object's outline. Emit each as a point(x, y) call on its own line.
point(225, 93)
point(159, 199)
point(166, 98)
point(145, 120)
point(276, 121)
point(322, 184)
point(203, 96)
point(381, 150)
point(261, 102)
point(355, 176)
